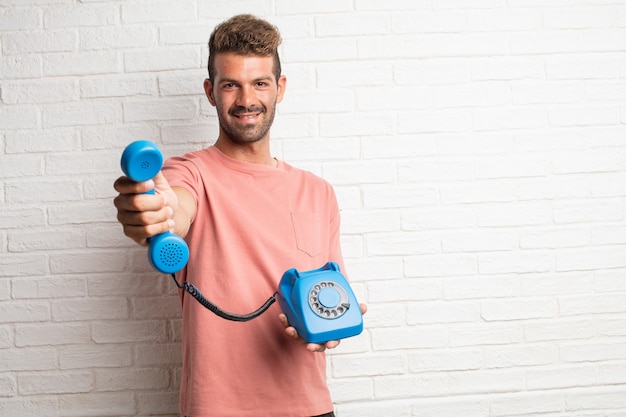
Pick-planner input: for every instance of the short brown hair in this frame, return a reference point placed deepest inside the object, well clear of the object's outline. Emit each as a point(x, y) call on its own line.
point(245, 35)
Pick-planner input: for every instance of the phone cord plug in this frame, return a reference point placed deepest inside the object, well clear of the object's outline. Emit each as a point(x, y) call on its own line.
point(195, 293)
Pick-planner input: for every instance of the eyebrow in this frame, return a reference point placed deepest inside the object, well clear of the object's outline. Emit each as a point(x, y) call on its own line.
point(234, 81)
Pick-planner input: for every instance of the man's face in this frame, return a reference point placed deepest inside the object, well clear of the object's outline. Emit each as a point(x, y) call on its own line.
point(245, 93)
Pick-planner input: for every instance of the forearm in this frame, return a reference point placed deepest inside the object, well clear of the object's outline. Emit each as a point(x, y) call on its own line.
point(185, 211)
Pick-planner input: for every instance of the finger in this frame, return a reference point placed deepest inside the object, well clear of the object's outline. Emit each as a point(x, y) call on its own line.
point(315, 348)
point(125, 185)
point(332, 344)
point(283, 320)
point(145, 218)
point(139, 202)
point(363, 308)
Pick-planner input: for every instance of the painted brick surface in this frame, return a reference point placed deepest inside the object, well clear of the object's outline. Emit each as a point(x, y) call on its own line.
point(477, 148)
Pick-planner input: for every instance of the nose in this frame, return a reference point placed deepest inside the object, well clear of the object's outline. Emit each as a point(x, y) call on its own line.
point(246, 96)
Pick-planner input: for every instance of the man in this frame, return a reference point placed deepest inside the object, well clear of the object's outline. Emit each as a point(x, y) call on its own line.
point(247, 218)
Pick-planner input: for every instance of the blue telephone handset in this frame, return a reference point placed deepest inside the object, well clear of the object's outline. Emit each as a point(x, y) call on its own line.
point(320, 304)
point(141, 161)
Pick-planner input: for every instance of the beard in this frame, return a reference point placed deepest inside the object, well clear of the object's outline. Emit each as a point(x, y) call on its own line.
point(242, 134)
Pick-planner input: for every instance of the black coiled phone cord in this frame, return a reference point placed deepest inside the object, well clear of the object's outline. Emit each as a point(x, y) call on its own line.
point(195, 293)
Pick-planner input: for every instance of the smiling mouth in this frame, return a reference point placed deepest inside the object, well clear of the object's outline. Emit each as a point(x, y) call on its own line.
point(247, 116)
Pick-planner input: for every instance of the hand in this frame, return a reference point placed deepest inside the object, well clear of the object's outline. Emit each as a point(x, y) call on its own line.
point(312, 347)
point(145, 215)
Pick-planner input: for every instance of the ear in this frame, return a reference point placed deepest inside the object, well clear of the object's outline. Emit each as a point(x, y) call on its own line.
point(208, 90)
point(282, 84)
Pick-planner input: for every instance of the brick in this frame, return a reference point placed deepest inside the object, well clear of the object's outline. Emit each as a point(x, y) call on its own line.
point(160, 11)
point(48, 287)
point(39, 41)
point(592, 352)
point(351, 390)
point(43, 192)
point(352, 25)
point(20, 67)
point(581, 66)
point(157, 403)
point(8, 385)
point(547, 92)
point(507, 68)
point(28, 359)
point(79, 262)
point(429, 21)
point(89, 309)
point(158, 354)
point(129, 331)
point(117, 86)
point(564, 377)
point(379, 221)
point(324, 101)
point(118, 379)
point(161, 59)
point(451, 217)
point(445, 360)
point(22, 218)
point(341, 75)
point(598, 398)
point(519, 355)
point(435, 121)
point(431, 71)
point(118, 38)
point(46, 333)
point(490, 381)
point(156, 308)
point(56, 383)
point(81, 114)
point(589, 259)
point(420, 384)
point(93, 404)
point(173, 109)
point(81, 63)
point(22, 406)
point(503, 20)
point(472, 95)
point(518, 309)
point(527, 403)
point(515, 262)
point(442, 312)
point(410, 243)
point(480, 287)
point(484, 334)
point(80, 15)
point(19, 117)
point(440, 265)
point(35, 91)
point(577, 17)
point(411, 145)
point(415, 337)
point(591, 304)
point(26, 264)
point(52, 140)
point(285, 7)
point(19, 19)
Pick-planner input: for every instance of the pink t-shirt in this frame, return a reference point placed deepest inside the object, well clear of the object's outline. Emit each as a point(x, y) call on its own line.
point(253, 223)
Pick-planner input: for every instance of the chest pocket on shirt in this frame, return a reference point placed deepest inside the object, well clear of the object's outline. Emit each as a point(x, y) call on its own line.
point(306, 227)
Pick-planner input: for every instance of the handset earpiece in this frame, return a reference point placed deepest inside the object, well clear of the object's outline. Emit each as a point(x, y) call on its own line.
point(141, 161)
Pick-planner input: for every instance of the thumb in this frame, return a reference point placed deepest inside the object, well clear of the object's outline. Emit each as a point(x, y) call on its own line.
point(160, 182)
point(163, 188)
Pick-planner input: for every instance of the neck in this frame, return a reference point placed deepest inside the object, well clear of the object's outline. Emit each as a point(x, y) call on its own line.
point(253, 153)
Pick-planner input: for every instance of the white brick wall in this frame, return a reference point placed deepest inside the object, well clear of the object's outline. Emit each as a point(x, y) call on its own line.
point(478, 149)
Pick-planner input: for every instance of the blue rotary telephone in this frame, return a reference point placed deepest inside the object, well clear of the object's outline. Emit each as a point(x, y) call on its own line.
point(320, 303)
